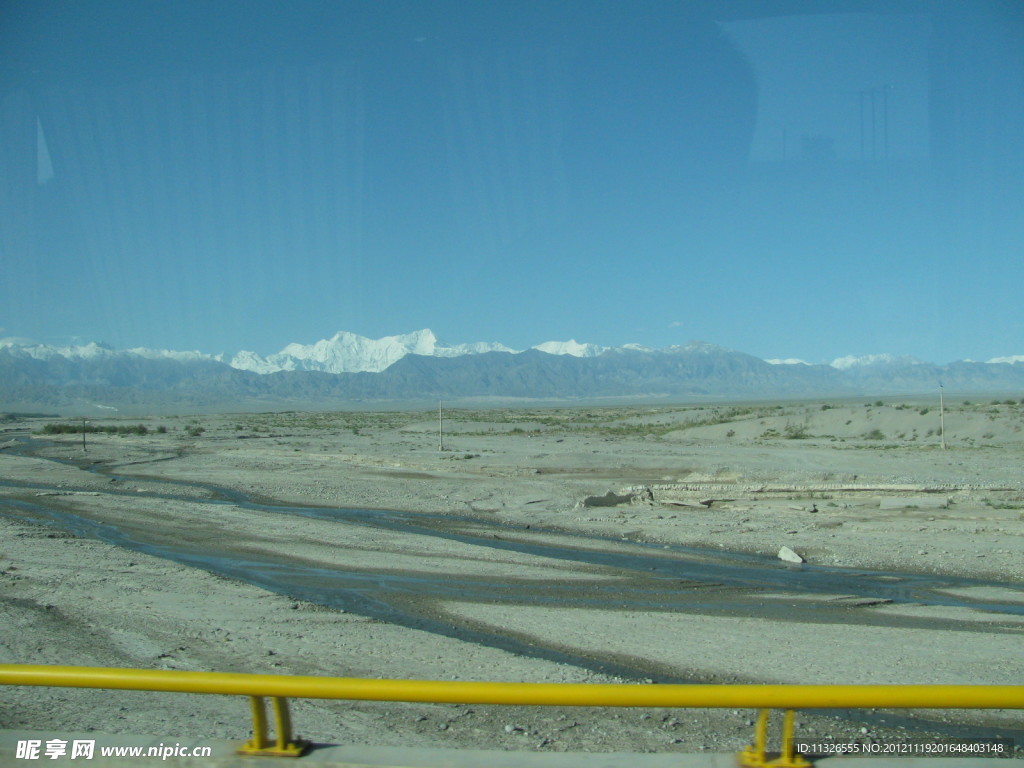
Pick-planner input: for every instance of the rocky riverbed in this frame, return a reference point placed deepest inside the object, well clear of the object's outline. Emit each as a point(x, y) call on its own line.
point(479, 577)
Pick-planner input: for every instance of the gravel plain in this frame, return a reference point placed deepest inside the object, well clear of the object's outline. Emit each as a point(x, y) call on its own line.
point(139, 551)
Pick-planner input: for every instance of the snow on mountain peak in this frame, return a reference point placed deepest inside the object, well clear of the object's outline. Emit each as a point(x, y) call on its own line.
point(180, 356)
point(344, 352)
point(347, 352)
point(472, 348)
point(571, 347)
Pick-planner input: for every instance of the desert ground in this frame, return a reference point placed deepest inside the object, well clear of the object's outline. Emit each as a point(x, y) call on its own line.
point(613, 543)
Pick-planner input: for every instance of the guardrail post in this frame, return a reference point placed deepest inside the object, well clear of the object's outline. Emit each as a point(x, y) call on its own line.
point(755, 755)
point(284, 745)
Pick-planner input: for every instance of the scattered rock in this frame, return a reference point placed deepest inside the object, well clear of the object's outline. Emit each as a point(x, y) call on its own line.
point(610, 499)
point(643, 495)
point(681, 503)
point(789, 555)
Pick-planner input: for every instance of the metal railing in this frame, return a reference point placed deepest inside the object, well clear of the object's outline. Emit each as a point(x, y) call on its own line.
point(281, 687)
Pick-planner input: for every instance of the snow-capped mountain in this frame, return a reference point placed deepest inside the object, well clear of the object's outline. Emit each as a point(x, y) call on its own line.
point(571, 347)
point(347, 352)
point(350, 353)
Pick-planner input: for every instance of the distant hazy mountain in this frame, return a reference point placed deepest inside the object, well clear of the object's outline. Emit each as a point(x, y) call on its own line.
point(346, 368)
point(94, 351)
point(866, 361)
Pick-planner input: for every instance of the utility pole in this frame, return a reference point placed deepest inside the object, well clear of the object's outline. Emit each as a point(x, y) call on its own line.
point(862, 94)
point(942, 418)
point(440, 431)
point(885, 121)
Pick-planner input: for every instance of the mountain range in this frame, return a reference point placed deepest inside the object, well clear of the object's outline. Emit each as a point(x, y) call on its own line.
point(349, 353)
point(348, 369)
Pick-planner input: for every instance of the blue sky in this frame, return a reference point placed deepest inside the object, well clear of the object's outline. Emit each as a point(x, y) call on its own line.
point(797, 179)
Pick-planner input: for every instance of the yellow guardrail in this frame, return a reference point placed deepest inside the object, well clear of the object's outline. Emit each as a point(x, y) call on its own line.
point(281, 687)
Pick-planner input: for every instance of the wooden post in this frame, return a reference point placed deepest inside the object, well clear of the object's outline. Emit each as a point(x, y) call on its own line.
point(942, 419)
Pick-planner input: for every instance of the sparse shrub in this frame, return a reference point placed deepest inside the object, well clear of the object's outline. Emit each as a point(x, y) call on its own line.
point(795, 431)
point(731, 433)
point(61, 429)
point(161, 430)
point(65, 428)
point(874, 434)
point(924, 411)
point(194, 430)
point(879, 403)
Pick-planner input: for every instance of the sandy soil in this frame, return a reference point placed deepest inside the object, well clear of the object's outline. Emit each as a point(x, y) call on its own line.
point(848, 485)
